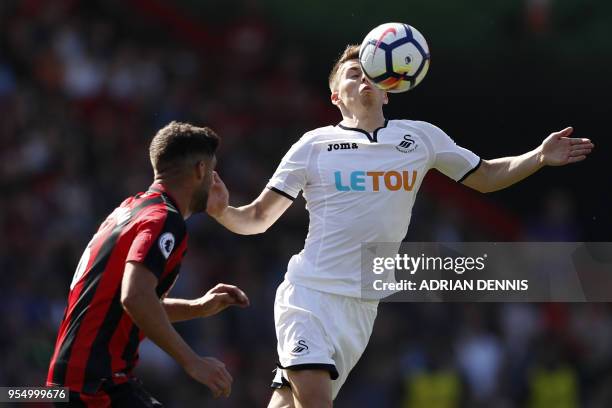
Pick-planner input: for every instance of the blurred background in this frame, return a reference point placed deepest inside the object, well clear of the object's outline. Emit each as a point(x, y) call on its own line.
point(85, 85)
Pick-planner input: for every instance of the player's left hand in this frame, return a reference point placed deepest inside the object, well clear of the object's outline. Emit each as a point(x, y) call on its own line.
point(218, 197)
point(559, 149)
point(220, 297)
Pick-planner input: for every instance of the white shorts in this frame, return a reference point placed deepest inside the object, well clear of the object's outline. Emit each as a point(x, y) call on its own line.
point(318, 330)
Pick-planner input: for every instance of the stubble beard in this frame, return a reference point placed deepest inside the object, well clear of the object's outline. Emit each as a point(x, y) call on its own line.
point(199, 201)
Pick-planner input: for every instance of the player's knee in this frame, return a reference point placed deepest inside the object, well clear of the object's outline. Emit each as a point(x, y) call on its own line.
point(311, 388)
point(281, 398)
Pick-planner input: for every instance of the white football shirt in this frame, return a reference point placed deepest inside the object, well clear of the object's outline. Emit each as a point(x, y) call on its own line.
point(360, 188)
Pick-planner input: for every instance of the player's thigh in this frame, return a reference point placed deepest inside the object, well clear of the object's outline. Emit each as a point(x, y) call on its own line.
point(281, 398)
point(310, 388)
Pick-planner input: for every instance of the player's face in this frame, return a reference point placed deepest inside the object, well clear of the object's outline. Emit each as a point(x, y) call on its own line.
point(200, 195)
point(355, 89)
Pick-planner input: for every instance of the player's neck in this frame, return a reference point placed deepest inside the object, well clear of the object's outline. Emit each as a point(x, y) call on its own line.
point(178, 194)
point(368, 122)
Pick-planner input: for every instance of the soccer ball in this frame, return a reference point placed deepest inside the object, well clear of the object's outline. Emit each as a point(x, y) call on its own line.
point(395, 57)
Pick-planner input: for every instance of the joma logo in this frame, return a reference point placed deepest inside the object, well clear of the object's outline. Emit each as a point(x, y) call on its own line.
point(341, 146)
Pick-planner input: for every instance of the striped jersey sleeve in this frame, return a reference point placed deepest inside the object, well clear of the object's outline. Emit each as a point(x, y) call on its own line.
point(158, 236)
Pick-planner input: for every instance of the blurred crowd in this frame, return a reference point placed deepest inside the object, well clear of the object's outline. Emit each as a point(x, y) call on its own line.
point(85, 85)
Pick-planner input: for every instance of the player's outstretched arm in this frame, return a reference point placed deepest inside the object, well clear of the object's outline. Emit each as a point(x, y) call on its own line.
point(249, 219)
point(558, 149)
point(213, 302)
point(140, 301)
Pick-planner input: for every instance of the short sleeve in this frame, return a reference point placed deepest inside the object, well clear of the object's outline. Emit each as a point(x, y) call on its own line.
point(290, 176)
point(157, 237)
point(449, 158)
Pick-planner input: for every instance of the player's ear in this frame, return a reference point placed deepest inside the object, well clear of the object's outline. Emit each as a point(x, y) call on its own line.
point(200, 169)
point(386, 98)
point(335, 98)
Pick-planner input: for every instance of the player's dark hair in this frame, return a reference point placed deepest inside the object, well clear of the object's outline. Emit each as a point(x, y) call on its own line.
point(178, 143)
point(351, 52)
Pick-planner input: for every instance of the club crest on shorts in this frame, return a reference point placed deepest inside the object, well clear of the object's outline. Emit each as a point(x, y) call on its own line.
point(166, 244)
point(300, 348)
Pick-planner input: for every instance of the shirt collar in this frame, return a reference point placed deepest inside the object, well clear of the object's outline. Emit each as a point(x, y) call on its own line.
point(160, 188)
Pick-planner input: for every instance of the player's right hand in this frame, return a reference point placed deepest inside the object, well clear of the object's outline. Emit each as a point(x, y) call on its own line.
point(212, 373)
point(218, 197)
point(219, 298)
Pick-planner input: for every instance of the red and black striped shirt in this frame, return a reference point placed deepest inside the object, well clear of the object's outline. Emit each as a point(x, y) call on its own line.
point(97, 339)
